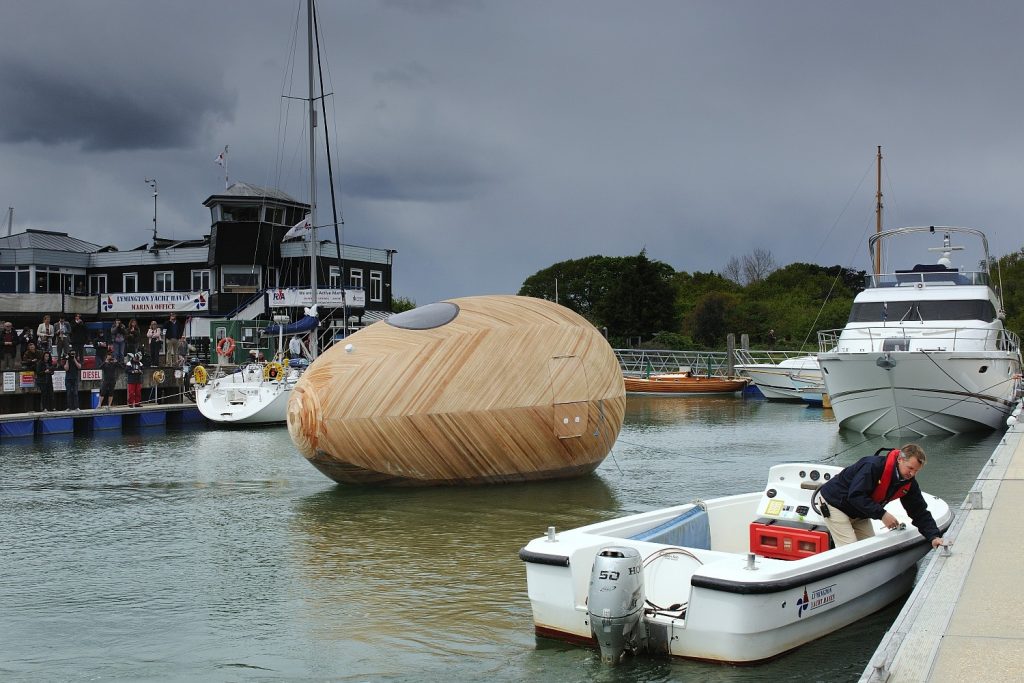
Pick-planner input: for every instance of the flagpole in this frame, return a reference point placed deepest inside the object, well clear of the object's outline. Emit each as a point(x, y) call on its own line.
point(225, 167)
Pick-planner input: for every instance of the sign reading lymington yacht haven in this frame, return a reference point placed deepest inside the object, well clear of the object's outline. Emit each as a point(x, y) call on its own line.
point(332, 298)
point(142, 302)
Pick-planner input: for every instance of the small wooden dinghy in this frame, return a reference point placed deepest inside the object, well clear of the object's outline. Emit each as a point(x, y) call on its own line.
point(487, 389)
point(684, 383)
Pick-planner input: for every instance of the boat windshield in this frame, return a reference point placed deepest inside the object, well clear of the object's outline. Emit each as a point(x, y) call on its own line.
point(921, 311)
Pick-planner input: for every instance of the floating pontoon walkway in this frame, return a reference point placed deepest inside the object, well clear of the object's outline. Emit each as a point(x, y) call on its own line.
point(965, 619)
point(27, 425)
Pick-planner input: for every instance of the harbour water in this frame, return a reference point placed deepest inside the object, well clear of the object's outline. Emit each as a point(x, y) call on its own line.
point(222, 555)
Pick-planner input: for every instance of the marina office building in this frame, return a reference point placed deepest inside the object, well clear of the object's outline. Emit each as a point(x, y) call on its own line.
point(243, 269)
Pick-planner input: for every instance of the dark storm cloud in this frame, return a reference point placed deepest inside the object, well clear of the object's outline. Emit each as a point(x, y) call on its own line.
point(410, 169)
point(433, 6)
point(57, 107)
point(486, 140)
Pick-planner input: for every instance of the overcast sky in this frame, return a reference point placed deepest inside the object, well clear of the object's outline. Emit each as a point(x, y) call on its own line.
point(485, 140)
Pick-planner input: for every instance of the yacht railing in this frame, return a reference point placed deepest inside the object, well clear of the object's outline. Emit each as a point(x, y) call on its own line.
point(914, 279)
point(917, 338)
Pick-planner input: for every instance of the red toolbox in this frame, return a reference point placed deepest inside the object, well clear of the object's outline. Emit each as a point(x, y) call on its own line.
point(783, 539)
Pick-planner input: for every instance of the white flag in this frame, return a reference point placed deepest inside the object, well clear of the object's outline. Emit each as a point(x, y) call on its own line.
point(300, 229)
point(220, 159)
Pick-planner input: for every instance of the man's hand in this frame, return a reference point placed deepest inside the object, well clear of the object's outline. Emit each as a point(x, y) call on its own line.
point(938, 542)
point(889, 521)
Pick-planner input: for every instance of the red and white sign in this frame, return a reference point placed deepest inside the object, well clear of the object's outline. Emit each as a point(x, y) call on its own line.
point(330, 298)
point(92, 375)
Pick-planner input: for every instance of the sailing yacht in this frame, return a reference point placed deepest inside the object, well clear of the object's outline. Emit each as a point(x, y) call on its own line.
point(924, 351)
point(258, 393)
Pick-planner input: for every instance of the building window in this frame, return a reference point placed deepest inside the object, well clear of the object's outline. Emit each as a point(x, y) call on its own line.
point(15, 279)
point(77, 284)
point(48, 279)
point(97, 284)
point(130, 282)
point(163, 281)
point(239, 279)
point(376, 289)
point(240, 213)
point(355, 278)
point(335, 277)
point(200, 280)
point(273, 214)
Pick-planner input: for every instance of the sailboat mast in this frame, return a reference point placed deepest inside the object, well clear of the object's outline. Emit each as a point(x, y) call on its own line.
point(313, 244)
point(878, 216)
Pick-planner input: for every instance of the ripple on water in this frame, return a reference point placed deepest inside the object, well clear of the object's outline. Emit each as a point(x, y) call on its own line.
point(223, 554)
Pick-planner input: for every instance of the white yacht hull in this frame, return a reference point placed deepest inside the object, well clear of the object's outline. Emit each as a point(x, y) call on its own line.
point(241, 398)
point(775, 384)
point(784, 381)
point(712, 603)
point(921, 393)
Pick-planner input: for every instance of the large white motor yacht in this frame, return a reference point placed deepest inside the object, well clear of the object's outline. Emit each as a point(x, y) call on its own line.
point(924, 351)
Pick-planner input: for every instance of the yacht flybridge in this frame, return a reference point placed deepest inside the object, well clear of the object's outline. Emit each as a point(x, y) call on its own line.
point(924, 351)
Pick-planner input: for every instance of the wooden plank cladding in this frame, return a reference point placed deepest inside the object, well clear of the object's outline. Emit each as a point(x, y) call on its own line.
point(475, 390)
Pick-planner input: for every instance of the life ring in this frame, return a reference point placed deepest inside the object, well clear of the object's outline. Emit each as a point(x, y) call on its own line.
point(199, 375)
point(225, 346)
point(273, 370)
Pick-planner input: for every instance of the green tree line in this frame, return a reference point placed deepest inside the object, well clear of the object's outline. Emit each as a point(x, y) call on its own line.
point(638, 301)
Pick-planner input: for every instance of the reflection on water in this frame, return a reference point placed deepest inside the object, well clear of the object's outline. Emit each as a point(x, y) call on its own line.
point(448, 558)
point(222, 553)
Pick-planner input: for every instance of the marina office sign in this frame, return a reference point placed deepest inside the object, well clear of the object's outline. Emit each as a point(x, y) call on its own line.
point(151, 302)
point(332, 298)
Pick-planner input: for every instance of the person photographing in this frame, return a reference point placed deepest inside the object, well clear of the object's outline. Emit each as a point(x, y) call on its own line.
point(859, 494)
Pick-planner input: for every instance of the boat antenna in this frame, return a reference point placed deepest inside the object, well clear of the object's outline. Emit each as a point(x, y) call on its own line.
point(152, 183)
point(330, 178)
point(313, 245)
point(10, 219)
point(878, 216)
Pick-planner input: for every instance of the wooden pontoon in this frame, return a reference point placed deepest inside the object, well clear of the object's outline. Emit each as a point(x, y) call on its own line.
point(487, 389)
point(684, 383)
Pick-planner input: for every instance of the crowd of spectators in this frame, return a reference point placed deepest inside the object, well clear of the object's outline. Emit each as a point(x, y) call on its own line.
point(160, 344)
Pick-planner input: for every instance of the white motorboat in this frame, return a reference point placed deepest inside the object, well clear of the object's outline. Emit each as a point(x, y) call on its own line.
point(924, 351)
point(776, 380)
point(735, 579)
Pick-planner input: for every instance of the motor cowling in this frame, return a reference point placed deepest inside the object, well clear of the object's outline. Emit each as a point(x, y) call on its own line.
point(615, 602)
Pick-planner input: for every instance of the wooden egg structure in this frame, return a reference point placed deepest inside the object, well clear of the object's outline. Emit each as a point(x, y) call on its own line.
point(476, 390)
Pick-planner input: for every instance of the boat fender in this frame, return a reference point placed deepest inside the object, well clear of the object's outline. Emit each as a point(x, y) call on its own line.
point(615, 602)
point(225, 346)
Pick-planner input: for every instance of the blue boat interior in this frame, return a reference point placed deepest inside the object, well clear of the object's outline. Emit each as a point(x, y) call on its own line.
point(691, 529)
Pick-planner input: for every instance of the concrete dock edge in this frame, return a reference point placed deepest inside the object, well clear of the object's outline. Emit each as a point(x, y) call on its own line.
point(962, 621)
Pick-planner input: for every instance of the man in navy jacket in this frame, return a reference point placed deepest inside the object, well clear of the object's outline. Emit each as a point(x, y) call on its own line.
point(860, 492)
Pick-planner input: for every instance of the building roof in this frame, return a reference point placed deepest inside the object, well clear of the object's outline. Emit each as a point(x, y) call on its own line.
point(250, 191)
point(46, 239)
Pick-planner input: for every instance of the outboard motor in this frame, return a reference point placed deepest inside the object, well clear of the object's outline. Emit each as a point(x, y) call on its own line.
point(615, 602)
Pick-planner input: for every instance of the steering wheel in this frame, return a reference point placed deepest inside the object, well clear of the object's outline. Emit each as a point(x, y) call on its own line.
point(814, 502)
